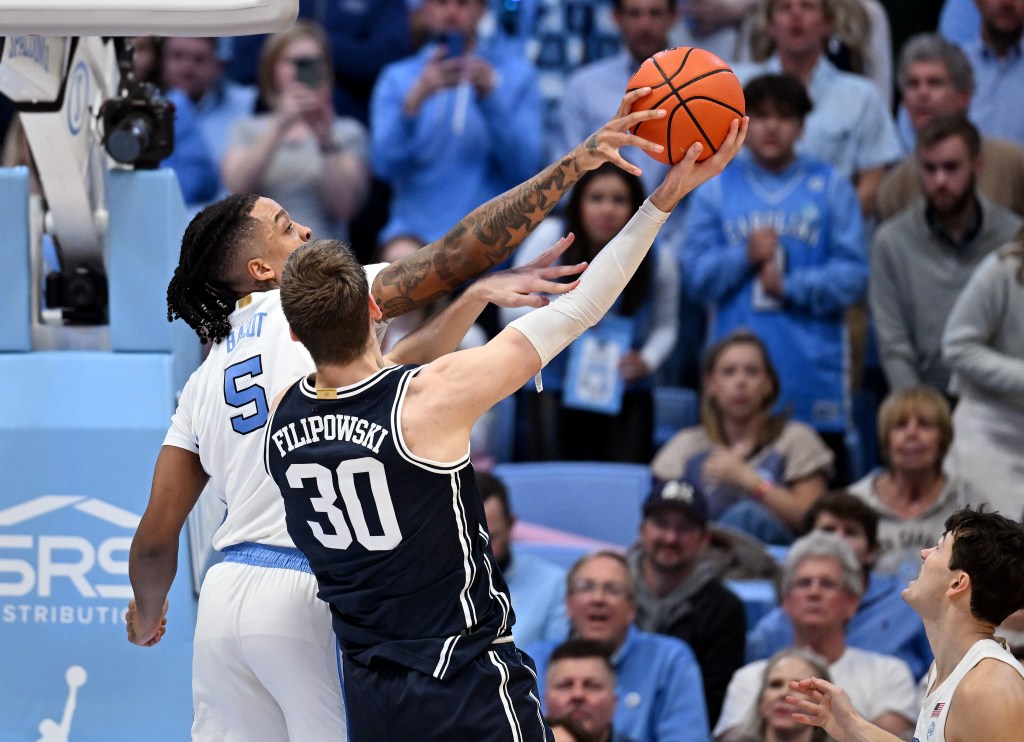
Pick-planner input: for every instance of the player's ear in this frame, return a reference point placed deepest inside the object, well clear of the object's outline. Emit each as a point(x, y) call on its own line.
point(376, 314)
point(261, 270)
point(960, 583)
point(292, 334)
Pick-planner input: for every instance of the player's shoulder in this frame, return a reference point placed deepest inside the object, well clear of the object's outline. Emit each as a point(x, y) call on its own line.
point(989, 702)
point(993, 674)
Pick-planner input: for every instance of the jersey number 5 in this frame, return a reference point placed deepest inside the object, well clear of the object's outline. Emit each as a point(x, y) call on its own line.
point(326, 500)
point(252, 394)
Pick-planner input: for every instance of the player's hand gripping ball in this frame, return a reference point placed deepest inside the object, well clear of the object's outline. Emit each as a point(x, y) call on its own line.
point(701, 95)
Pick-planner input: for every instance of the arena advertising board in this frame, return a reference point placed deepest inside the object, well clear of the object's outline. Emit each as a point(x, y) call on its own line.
point(76, 481)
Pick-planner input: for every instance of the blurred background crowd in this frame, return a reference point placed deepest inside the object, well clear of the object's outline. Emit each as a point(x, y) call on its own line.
point(822, 358)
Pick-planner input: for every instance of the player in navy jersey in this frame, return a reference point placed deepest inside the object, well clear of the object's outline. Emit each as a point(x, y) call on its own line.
point(373, 464)
point(264, 664)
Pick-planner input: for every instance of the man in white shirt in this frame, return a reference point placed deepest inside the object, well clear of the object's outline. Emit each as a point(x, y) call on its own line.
point(821, 585)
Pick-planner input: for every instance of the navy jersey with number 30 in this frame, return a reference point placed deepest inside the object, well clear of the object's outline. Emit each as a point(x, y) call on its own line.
point(398, 544)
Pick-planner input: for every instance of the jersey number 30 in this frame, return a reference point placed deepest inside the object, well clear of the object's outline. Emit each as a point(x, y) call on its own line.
point(325, 502)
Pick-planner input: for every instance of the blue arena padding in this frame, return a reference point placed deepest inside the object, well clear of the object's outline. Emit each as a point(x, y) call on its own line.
point(80, 431)
point(598, 500)
point(15, 298)
point(147, 219)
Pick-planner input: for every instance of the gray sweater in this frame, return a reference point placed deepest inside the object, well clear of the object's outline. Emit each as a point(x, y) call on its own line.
point(984, 339)
point(916, 277)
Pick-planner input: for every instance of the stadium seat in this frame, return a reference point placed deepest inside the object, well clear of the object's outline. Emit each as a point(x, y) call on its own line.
point(675, 408)
point(502, 432)
point(564, 555)
point(758, 596)
point(598, 500)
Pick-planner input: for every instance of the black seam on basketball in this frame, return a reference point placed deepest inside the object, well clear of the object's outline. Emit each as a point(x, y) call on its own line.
point(676, 92)
point(682, 63)
point(699, 128)
point(667, 80)
point(703, 76)
point(722, 103)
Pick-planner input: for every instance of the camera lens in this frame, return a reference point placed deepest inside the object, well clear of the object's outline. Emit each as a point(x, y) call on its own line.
point(81, 289)
point(129, 138)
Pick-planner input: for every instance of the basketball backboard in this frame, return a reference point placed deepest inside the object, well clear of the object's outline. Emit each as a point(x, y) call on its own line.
point(145, 17)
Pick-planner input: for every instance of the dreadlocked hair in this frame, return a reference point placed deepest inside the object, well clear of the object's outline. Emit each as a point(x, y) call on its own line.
point(198, 292)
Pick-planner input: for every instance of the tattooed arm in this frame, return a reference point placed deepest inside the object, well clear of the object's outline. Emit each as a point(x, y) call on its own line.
point(490, 233)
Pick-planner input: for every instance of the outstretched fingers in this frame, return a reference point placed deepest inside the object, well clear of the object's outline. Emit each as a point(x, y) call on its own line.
point(560, 271)
point(631, 97)
point(604, 144)
point(549, 256)
point(542, 290)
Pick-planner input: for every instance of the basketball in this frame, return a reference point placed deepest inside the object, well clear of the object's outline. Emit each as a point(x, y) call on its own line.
point(701, 95)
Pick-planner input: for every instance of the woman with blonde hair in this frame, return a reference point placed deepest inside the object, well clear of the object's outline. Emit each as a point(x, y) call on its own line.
point(911, 493)
point(758, 470)
point(771, 720)
point(300, 153)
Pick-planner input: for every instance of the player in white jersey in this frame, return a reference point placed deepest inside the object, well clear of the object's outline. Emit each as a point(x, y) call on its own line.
point(265, 664)
point(969, 583)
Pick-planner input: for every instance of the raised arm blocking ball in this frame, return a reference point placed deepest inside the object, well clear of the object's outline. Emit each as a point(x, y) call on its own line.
point(700, 93)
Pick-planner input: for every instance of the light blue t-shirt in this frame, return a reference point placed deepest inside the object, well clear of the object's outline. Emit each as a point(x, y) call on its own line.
point(998, 91)
point(850, 126)
point(660, 689)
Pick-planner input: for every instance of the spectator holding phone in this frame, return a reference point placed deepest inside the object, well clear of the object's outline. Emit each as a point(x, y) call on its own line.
point(455, 124)
point(300, 153)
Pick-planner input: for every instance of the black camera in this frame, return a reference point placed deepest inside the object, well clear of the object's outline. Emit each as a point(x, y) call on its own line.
point(81, 294)
point(138, 127)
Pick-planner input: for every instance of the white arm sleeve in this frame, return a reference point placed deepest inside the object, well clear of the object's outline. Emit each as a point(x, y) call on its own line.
point(550, 329)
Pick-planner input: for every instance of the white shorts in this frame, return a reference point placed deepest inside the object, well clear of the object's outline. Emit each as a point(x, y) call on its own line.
point(266, 664)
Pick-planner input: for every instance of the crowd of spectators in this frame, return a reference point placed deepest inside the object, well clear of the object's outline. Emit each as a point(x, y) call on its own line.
point(898, 189)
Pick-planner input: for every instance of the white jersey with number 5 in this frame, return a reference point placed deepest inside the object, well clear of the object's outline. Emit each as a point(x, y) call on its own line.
point(224, 408)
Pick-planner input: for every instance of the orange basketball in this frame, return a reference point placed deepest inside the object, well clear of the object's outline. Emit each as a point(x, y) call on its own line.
point(700, 93)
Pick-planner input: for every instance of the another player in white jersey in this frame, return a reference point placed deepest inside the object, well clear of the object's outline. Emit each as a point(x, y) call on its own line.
point(265, 666)
point(969, 583)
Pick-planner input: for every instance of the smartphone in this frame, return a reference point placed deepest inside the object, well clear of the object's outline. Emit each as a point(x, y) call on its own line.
point(309, 71)
point(454, 41)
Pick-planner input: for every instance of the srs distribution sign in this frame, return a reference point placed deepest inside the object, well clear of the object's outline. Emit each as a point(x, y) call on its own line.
point(64, 579)
point(64, 590)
